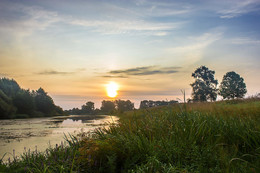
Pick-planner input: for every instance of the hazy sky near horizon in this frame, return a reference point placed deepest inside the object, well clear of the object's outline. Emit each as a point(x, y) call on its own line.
point(150, 48)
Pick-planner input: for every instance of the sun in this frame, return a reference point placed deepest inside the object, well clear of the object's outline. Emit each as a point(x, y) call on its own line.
point(112, 88)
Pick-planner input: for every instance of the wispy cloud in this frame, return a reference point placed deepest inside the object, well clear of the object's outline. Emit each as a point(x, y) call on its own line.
point(193, 48)
point(55, 72)
point(30, 18)
point(244, 40)
point(114, 76)
point(37, 18)
point(142, 71)
point(237, 8)
point(126, 26)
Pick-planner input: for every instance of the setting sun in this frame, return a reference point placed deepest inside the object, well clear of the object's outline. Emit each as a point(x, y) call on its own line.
point(112, 88)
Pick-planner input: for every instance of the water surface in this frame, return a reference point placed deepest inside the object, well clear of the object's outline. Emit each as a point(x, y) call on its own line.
point(18, 135)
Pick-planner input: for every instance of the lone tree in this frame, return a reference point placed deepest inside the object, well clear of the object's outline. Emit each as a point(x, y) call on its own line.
point(205, 86)
point(232, 86)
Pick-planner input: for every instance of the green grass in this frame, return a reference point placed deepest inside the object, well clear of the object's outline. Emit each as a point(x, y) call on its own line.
point(195, 137)
point(58, 159)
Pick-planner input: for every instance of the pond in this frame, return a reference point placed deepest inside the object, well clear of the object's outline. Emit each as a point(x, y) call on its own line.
point(19, 135)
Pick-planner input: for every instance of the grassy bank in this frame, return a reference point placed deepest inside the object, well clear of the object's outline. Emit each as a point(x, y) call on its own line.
point(195, 137)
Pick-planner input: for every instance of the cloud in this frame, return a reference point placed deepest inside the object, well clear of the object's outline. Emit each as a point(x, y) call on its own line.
point(54, 72)
point(143, 71)
point(113, 76)
point(127, 26)
point(35, 18)
point(194, 47)
point(239, 7)
point(244, 40)
point(30, 18)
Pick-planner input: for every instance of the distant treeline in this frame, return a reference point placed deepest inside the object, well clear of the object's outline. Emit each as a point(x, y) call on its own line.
point(16, 102)
point(150, 103)
point(109, 107)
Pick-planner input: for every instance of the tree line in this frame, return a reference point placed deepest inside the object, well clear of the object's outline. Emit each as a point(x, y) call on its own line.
point(16, 102)
point(107, 107)
point(205, 88)
point(150, 103)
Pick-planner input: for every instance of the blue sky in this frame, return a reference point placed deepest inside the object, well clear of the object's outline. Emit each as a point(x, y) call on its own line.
point(150, 48)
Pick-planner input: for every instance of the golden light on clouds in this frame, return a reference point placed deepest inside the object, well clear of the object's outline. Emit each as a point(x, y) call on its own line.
point(112, 89)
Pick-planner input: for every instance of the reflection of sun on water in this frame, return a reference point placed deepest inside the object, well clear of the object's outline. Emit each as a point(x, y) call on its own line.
point(112, 88)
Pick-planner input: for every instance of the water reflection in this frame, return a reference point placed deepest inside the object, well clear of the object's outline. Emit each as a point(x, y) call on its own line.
point(44, 132)
point(71, 122)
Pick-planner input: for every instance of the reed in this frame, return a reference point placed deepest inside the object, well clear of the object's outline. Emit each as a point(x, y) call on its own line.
point(195, 137)
point(192, 137)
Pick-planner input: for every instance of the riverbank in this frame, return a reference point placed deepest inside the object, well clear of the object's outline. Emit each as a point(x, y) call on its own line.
point(195, 137)
point(20, 135)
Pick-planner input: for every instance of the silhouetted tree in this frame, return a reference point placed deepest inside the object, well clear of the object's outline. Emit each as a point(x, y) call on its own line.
point(9, 86)
point(124, 105)
point(144, 104)
point(58, 110)
point(15, 100)
point(24, 102)
point(96, 111)
point(205, 86)
point(43, 102)
point(232, 86)
point(74, 111)
point(88, 108)
point(6, 107)
point(147, 104)
point(107, 106)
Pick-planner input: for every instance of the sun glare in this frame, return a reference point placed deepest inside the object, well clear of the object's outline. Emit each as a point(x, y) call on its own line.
point(112, 88)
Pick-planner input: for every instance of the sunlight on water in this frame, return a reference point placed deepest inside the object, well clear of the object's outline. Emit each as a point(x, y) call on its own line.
point(20, 135)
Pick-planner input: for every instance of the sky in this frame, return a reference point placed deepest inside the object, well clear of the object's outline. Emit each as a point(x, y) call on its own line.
point(150, 48)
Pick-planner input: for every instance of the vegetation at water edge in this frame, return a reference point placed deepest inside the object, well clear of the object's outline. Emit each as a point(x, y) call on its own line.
point(195, 137)
point(16, 102)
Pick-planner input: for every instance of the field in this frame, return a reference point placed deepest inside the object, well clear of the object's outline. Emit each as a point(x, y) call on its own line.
point(194, 137)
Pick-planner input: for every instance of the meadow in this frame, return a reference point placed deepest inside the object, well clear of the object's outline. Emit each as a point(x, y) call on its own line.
point(219, 136)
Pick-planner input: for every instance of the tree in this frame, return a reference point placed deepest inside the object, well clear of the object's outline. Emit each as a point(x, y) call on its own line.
point(232, 86)
point(150, 103)
point(88, 108)
point(205, 86)
point(123, 105)
point(74, 111)
point(15, 100)
point(24, 102)
point(107, 106)
point(43, 102)
point(9, 86)
point(6, 107)
point(144, 104)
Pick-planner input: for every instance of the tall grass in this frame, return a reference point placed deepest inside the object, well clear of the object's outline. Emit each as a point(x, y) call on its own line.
point(205, 137)
point(194, 137)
